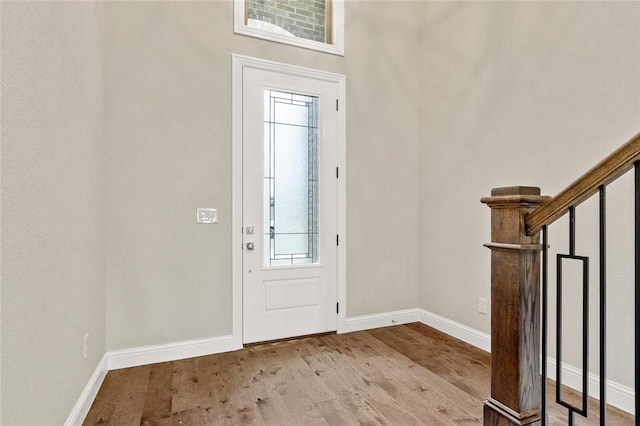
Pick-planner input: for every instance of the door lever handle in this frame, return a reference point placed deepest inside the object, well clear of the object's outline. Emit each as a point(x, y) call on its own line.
point(250, 246)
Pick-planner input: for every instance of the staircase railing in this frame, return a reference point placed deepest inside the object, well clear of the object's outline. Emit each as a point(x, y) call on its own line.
point(520, 297)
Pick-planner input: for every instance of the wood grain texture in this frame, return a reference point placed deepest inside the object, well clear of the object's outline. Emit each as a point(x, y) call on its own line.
point(403, 375)
point(579, 191)
point(515, 313)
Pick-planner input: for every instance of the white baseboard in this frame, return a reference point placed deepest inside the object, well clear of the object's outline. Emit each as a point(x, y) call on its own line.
point(80, 410)
point(459, 331)
point(170, 352)
point(368, 322)
point(618, 395)
point(452, 328)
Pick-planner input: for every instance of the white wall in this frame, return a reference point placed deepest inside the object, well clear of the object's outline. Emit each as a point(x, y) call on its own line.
point(52, 207)
point(518, 93)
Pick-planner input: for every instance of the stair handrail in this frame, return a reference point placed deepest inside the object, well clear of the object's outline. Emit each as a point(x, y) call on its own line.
point(605, 172)
point(519, 298)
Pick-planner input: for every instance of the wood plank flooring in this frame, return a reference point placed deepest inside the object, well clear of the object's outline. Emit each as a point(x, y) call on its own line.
point(403, 375)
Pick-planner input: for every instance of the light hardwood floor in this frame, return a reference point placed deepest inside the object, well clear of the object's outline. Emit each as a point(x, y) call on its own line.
point(403, 375)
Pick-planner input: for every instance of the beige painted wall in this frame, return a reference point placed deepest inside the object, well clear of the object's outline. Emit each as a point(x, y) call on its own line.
point(527, 93)
point(441, 98)
point(52, 207)
point(383, 150)
point(169, 152)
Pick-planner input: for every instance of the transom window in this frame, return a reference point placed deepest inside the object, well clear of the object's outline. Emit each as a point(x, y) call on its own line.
point(313, 24)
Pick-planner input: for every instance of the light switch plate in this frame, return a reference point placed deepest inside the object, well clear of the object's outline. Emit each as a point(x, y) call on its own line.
point(207, 215)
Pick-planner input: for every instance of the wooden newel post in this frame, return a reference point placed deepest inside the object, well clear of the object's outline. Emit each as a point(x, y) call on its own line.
point(515, 309)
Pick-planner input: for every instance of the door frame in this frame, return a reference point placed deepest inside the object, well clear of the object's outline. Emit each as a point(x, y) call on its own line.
point(239, 62)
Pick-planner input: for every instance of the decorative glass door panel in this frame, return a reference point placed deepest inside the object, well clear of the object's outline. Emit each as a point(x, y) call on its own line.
point(290, 179)
point(289, 205)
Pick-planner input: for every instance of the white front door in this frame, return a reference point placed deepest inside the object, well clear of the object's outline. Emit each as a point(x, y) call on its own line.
point(289, 205)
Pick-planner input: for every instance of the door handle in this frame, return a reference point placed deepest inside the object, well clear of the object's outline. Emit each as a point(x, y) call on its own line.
point(250, 246)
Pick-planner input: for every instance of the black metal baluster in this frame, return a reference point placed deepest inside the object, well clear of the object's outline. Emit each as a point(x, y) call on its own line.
point(572, 231)
point(545, 310)
point(572, 252)
point(585, 338)
point(583, 411)
point(603, 305)
point(637, 288)
point(558, 329)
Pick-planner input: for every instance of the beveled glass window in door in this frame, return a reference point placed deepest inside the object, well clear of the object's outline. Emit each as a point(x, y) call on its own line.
point(290, 178)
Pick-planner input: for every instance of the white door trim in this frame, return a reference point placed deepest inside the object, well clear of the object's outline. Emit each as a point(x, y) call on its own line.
point(240, 62)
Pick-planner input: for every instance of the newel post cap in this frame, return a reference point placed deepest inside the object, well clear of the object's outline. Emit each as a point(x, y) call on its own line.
point(515, 195)
point(515, 190)
point(509, 208)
